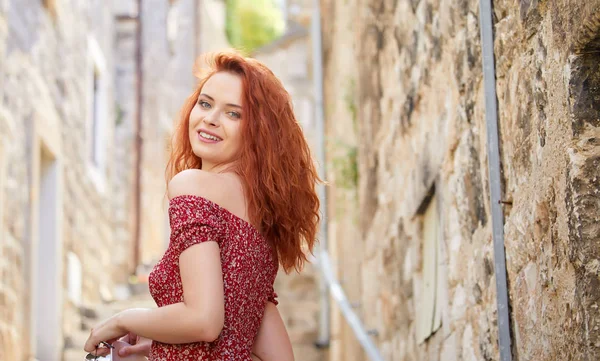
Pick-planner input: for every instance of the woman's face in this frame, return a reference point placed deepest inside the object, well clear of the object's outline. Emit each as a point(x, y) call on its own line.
point(215, 121)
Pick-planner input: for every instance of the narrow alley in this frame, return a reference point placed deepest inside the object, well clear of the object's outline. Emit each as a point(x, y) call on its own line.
point(458, 142)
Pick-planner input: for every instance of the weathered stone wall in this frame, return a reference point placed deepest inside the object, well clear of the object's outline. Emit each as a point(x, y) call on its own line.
point(185, 31)
point(212, 25)
point(345, 240)
point(547, 83)
point(46, 88)
point(421, 126)
point(48, 55)
point(48, 51)
point(125, 130)
point(169, 32)
point(12, 284)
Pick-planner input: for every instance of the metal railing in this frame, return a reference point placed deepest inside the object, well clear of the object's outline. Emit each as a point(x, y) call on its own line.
point(328, 281)
point(338, 294)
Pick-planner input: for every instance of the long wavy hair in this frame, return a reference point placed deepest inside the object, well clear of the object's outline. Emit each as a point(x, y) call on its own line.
point(274, 163)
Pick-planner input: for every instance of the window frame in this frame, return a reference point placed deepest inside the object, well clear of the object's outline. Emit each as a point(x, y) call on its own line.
point(429, 306)
point(97, 122)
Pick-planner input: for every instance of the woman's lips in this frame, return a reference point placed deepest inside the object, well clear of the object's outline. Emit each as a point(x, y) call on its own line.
point(205, 137)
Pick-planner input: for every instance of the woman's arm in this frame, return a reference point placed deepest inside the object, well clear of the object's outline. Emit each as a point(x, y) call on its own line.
point(272, 342)
point(199, 318)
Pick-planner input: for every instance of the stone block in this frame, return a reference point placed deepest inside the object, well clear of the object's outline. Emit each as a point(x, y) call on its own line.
point(449, 350)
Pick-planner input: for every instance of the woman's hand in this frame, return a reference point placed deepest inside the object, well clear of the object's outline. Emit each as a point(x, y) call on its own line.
point(108, 331)
point(138, 345)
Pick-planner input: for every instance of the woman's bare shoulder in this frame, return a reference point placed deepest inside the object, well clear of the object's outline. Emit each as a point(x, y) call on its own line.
point(224, 189)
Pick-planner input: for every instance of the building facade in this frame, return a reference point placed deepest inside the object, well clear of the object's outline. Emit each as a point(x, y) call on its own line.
point(57, 132)
point(410, 221)
point(87, 104)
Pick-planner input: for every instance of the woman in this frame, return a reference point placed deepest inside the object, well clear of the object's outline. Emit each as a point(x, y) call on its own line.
point(241, 187)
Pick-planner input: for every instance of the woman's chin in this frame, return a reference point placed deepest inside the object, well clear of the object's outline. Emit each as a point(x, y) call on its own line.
point(200, 151)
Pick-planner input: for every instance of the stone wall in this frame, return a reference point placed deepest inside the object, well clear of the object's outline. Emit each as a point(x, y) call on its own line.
point(66, 196)
point(175, 35)
point(212, 25)
point(55, 179)
point(422, 141)
point(11, 250)
point(345, 240)
point(169, 32)
point(550, 131)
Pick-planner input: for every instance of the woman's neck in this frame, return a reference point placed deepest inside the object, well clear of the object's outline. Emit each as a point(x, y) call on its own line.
point(217, 168)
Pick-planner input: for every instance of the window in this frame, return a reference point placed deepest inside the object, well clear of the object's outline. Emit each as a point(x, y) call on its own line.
point(97, 123)
point(95, 116)
point(74, 278)
point(429, 315)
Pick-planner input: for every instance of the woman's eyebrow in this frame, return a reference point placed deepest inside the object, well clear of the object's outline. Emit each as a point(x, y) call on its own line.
point(230, 104)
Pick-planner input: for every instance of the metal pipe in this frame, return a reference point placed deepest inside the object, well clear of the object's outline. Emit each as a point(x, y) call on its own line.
point(491, 114)
point(328, 282)
point(324, 315)
point(137, 186)
point(337, 293)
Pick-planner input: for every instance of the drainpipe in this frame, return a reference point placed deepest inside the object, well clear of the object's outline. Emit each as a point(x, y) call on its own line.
point(491, 115)
point(137, 186)
point(324, 331)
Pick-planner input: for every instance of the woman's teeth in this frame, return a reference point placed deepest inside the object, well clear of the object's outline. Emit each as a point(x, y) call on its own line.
point(208, 136)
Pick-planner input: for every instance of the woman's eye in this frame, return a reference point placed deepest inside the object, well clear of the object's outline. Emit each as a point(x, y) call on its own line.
point(235, 115)
point(204, 104)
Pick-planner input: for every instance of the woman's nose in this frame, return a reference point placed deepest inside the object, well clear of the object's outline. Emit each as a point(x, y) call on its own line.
point(212, 118)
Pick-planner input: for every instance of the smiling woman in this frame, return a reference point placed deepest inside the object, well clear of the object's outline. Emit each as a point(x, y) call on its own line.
point(215, 121)
point(242, 201)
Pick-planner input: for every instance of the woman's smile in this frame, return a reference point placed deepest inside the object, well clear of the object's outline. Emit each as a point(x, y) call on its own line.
point(216, 120)
point(208, 137)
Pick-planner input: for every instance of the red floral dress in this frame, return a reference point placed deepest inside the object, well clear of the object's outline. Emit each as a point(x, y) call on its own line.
point(249, 270)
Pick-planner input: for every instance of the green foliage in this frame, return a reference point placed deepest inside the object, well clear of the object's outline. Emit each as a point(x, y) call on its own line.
point(253, 23)
point(350, 100)
point(119, 114)
point(345, 156)
point(345, 165)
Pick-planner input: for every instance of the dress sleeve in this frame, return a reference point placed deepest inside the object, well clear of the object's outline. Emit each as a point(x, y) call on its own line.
point(194, 220)
point(196, 233)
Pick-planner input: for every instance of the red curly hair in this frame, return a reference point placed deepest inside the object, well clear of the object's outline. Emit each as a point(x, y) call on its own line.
point(275, 163)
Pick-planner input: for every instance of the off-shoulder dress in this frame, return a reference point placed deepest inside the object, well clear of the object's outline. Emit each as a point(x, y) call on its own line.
point(249, 271)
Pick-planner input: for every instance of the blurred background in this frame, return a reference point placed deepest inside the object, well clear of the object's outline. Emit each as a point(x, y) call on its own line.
point(427, 184)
